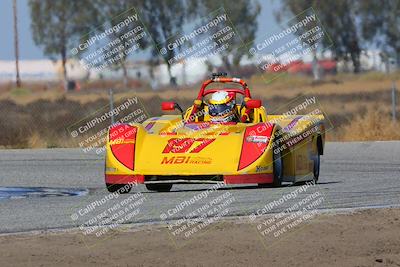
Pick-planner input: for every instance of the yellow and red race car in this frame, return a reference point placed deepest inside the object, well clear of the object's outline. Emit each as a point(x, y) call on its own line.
point(252, 148)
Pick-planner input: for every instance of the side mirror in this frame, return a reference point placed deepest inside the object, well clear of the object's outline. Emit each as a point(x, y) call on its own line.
point(253, 103)
point(168, 105)
point(171, 106)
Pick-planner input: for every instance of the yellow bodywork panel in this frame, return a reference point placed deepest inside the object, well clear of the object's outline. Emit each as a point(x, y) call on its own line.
point(166, 146)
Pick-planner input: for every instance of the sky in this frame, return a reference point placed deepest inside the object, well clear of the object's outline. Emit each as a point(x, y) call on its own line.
point(29, 51)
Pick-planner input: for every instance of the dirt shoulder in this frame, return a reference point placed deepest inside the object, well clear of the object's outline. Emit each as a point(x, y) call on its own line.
point(362, 238)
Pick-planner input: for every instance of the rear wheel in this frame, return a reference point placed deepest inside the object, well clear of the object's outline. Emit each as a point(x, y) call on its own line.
point(317, 163)
point(119, 188)
point(159, 187)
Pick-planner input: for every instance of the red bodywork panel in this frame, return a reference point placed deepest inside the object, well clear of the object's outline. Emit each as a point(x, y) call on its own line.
point(252, 150)
point(124, 179)
point(228, 179)
point(249, 179)
point(124, 147)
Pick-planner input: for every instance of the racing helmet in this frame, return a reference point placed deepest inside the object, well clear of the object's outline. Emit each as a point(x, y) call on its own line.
point(222, 107)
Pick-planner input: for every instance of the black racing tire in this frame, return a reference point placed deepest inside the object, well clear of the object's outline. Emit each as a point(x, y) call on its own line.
point(278, 171)
point(317, 164)
point(119, 188)
point(159, 187)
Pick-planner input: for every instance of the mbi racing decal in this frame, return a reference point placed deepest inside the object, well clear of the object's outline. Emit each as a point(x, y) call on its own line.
point(186, 160)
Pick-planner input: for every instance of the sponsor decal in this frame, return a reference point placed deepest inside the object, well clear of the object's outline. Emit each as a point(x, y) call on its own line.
point(186, 160)
point(291, 124)
point(187, 145)
point(155, 119)
point(149, 125)
point(262, 168)
point(257, 139)
point(198, 126)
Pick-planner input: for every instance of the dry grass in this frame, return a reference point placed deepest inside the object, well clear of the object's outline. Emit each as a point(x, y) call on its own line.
point(375, 124)
point(261, 86)
point(39, 115)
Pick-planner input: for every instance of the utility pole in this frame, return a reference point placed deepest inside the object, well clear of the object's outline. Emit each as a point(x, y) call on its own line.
point(394, 118)
point(16, 49)
point(112, 106)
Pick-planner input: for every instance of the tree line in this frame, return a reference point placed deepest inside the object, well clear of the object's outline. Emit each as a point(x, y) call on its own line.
point(58, 26)
point(353, 25)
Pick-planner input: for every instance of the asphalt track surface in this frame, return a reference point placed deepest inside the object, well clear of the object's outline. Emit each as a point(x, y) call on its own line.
point(359, 174)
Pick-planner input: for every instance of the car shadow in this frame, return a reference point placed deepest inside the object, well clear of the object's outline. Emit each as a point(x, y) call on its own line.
point(333, 182)
point(319, 183)
point(222, 189)
point(240, 187)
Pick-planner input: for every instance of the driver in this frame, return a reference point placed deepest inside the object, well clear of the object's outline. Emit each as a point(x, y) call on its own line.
point(221, 107)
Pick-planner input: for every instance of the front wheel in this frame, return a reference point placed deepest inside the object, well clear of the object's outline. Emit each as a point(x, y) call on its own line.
point(119, 188)
point(278, 171)
point(159, 187)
